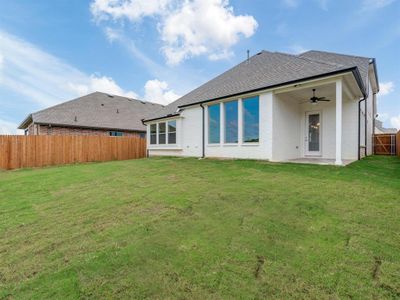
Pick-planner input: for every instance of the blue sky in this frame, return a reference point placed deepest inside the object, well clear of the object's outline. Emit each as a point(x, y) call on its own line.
point(52, 51)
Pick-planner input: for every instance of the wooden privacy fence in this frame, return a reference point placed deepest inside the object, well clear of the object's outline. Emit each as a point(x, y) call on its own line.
point(385, 144)
point(37, 151)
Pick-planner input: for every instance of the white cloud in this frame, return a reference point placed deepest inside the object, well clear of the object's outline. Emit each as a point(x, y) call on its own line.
point(112, 34)
point(133, 10)
point(375, 4)
point(158, 92)
point(386, 88)
point(7, 127)
point(323, 4)
point(102, 84)
point(203, 27)
point(297, 49)
point(291, 3)
point(45, 79)
point(188, 28)
point(1, 60)
point(395, 122)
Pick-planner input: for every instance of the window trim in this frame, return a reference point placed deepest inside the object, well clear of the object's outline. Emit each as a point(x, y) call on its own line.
point(166, 145)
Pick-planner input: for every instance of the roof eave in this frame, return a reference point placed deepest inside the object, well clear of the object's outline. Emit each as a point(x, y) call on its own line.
point(89, 127)
point(373, 62)
point(160, 118)
point(354, 70)
point(25, 123)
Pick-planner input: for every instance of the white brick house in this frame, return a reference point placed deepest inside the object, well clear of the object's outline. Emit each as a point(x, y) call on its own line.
point(262, 109)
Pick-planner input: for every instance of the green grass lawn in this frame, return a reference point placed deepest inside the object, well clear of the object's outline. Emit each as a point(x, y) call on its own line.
point(195, 229)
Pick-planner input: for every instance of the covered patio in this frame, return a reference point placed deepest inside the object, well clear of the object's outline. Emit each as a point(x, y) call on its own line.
point(314, 122)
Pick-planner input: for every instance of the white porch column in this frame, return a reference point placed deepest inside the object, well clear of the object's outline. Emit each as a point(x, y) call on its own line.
point(339, 96)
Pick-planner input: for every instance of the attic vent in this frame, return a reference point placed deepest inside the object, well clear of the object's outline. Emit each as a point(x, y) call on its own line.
point(143, 102)
point(117, 111)
point(76, 119)
point(102, 104)
point(111, 96)
point(259, 53)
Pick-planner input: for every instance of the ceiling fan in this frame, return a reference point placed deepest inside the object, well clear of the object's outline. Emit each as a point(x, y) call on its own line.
point(314, 99)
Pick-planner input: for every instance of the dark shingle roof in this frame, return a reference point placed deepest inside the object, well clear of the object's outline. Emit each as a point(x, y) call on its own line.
point(97, 110)
point(267, 69)
point(379, 125)
point(362, 63)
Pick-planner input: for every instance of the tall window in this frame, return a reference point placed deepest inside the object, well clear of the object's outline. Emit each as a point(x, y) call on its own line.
point(171, 132)
point(214, 124)
point(161, 133)
point(231, 122)
point(153, 134)
point(251, 120)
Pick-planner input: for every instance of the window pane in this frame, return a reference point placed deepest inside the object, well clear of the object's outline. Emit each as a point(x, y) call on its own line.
point(172, 126)
point(231, 122)
point(153, 134)
point(172, 138)
point(313, 132)
point(251, 119)
point(161, 133)
point(161, 128)
point(153, 128)
point(214, 124)
point(171, 132)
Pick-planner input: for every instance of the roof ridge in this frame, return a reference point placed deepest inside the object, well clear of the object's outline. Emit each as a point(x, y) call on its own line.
point(96, 92)
point(62, 103)
point(220, 75)
point(334, 53)
point(312, 60)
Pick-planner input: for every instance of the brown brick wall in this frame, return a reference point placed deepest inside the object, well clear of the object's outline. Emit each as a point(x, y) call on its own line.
point(35, 129)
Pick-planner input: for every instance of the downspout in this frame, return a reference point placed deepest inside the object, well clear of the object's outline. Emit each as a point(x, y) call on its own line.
point(366, 126)
point(203, 131)
point(366, 120)
point(373, 121)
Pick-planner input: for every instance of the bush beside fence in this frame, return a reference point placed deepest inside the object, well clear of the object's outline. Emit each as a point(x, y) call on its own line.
point(38, 151)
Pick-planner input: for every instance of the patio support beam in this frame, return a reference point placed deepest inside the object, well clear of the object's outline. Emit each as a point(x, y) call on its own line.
point(339, 100)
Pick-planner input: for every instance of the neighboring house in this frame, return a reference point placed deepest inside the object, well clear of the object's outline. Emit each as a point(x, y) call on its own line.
point(379, 129)
point(261, 109)
point(93, 114)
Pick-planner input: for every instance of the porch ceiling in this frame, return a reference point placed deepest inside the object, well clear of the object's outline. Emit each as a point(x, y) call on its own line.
point(304, 94)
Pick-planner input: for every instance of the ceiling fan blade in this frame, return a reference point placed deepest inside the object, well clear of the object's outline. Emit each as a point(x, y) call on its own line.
point(324, 100)
point(321, 98)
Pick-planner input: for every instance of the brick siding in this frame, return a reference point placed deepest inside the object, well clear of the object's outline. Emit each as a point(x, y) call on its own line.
point(35, 129)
